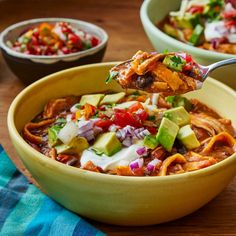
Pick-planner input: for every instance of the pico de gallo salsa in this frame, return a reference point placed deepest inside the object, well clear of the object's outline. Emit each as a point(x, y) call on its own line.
point(207, 24)
point(53, 39)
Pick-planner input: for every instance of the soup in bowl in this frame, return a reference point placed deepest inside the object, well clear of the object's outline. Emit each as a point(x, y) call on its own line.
point(106, 195)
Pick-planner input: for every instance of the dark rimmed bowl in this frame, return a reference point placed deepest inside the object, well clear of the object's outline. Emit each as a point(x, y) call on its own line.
point(29, 68)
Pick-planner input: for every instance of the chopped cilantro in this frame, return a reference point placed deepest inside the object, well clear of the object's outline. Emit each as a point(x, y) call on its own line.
point(151, 118)
point(78, 106)
point(176, 59)
point(111, 76)
point(166, 51)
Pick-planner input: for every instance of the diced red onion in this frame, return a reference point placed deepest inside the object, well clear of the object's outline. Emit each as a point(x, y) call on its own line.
point(129, 131)
point(215, 43)
point(97, 130)
point(152, 164)
point(136, 164)
point(113, 128)
point(89, 134)
point(142, 151)
point(141, 133)
point(84, 125)
point(181, 54)
point(127, 141)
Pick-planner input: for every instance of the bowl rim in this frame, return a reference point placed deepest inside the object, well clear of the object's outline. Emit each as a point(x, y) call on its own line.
point(73, 171)
point(147, 23)
point(86, 52)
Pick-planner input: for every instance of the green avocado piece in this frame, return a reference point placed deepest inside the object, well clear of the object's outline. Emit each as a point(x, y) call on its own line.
point(196, 36)
point(177, 101)
point(107, 143)
point(174, 62)
point(187, 136)
point(178, 115)
point(52, 135)
point(76, 145)
point(92, 99)
point(112, 98)
point(170, 30)
point(150, 141)
point(189, 21)
point(167, 133)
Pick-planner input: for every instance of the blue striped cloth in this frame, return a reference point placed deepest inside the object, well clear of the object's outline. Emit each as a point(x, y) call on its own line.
point(24, 210)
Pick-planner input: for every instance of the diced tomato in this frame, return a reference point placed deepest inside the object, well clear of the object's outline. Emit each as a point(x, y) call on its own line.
point(73, 38)
point(65, 50)
point(123, 118)
point(36, 34)
point(34, 40)
point(104, 124)
point(188, 67)
point(195, 9)
point(102, 108)
point(136, 106)
point(188, 58)
point(152, 130)
point(89, 110)
point(142, 98)
point(102, 116)
point(94, 41)
point(143, 115)
point(230, 23)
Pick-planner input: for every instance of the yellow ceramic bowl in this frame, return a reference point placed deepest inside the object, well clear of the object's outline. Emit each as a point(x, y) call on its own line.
point(117, 199)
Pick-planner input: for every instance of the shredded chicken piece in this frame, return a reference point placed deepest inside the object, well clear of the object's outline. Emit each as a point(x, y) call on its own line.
point(212, 125)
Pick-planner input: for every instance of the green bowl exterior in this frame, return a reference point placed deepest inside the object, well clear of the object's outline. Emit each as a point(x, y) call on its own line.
point(153, 11)
point(112, 199)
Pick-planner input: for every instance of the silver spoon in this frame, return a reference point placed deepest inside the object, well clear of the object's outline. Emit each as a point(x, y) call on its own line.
point(207, 69)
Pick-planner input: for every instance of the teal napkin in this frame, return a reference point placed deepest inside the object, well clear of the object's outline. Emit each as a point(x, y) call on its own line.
point(24, 210)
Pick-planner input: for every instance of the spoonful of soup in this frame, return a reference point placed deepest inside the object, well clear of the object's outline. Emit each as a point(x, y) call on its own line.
point(167, 73)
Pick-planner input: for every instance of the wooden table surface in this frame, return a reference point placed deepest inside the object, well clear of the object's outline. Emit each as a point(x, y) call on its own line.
point(121, 21)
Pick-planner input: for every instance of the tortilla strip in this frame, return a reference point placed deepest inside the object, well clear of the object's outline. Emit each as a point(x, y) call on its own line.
point(170, 77)
point(221, 137)
point(169, 160)
point(30, 126)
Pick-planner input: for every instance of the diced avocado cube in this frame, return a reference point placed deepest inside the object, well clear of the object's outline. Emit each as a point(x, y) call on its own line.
point(150, 141)
point(52, 135)
point(174, 62)
point(167, 133)
point(112, 98)
point(177, 101)
point(76, 145)
point(187, 136)
point(196, 36)
point(170, 30)
point(92, 99)
point(188, 21)
point(107, 143)
point(178, 115)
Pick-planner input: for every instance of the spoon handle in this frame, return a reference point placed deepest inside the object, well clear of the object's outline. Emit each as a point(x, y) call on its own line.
point(221, 63)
